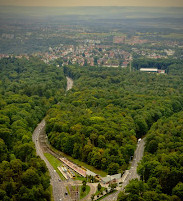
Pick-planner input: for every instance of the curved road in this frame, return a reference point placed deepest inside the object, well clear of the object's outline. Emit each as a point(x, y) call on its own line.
point(132, 172)
point(59, 188)
point(58, 185)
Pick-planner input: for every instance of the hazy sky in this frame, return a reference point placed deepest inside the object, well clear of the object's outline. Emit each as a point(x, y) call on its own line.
point(164, 3)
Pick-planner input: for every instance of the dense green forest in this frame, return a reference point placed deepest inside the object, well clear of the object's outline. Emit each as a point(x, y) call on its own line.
point(27, 90)
point(98, 122)
point(101, 118)
point(161, 169)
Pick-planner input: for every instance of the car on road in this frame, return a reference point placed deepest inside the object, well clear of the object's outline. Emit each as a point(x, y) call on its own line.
point(139, 140)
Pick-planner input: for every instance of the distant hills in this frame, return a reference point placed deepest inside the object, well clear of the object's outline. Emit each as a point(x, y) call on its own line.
point(94, 12)
point(103, 17)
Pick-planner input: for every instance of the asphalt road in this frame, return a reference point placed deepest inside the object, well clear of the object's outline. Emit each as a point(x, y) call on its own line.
point(132, 172)
point(69, 83)
point(136, 159)
point(58, 185)
point(59, 188)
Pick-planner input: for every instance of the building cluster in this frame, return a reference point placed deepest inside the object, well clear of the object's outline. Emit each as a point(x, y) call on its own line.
point(15, 56)
point(119, 39)
point(152, 53)
point(7, 36)
point(88, 54)
point(4, 56)
point(131, 41)
point(115, 50)
point(69, 170)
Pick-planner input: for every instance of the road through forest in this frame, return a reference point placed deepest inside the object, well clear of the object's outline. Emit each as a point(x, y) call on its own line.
point(69, 83)
point(132, 172)
point(58, 186)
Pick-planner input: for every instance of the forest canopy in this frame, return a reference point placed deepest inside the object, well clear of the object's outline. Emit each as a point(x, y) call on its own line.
point(101, 118)
point(98, 121)
point(27, 90)
point(161, 169)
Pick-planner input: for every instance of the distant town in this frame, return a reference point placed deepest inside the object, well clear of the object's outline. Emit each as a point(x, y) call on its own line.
point(90, 52)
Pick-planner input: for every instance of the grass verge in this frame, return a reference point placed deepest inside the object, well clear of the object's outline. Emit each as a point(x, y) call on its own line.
point(84, 194)
point(80, 163)
point(102, 190)
point(55, 163)
point(51, 190)
point(68, 190)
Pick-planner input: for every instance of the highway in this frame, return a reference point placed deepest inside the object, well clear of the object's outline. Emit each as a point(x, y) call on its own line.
point(59, 188)
point(58, 185)
point(131, 173)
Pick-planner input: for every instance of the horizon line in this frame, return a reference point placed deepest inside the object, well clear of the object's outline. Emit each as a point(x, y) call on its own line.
point(90, 6)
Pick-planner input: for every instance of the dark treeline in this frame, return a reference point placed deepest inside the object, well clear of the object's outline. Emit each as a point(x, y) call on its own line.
point(27, 90)
point(32, 45)
point(101, 118)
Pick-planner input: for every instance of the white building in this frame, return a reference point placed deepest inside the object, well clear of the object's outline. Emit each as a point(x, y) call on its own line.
point(111, 178)
point(151, 70)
